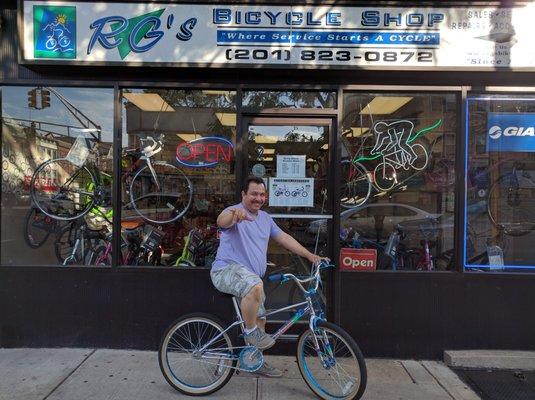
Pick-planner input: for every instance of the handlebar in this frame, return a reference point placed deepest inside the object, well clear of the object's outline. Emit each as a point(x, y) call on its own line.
point(275, 277)
point(151, 149)
point(314, 276)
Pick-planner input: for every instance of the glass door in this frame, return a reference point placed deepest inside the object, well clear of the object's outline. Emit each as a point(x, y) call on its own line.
point(293, 157)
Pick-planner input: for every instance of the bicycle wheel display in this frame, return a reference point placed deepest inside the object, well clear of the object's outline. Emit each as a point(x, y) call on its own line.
point(385, 176)
point(60, 189)
point(160, 195)
point(188, 369)
point(37, 228)
point(511, 207)
point(355, 188)
point(339, 370)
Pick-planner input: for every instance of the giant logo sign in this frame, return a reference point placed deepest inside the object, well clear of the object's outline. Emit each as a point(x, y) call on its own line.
point(205, 152)
point(511, 132)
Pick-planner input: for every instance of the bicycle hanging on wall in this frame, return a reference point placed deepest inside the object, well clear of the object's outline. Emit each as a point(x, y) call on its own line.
point(159, 192)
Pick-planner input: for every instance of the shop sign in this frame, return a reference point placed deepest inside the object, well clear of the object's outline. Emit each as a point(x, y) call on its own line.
point(358, 259)
point(511, 132)
point(204, 152)
point(281, 36)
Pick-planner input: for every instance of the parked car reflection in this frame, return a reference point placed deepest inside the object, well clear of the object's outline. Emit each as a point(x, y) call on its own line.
point(374, 221)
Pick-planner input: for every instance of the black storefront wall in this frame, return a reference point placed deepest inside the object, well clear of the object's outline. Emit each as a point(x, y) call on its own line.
point(394, 314)
point(388, 314)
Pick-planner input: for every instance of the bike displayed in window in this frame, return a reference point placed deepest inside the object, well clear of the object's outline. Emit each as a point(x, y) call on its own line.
point(159, 192)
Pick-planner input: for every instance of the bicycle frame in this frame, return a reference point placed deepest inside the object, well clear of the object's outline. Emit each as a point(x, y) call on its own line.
point(308, 309)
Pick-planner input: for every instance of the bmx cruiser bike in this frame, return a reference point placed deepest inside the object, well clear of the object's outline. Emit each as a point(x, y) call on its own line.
point(198, 355)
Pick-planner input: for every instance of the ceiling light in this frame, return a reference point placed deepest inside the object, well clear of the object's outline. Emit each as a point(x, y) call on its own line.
point(148, 101)
point(266, 139)
point(268, 159)
point(226, 119)
point(269, 151)
point(216, 92)
point(384, 105)
point(188, 137)
point(355, 132)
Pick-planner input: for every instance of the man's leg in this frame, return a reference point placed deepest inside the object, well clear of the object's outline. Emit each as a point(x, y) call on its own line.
point(250, 304)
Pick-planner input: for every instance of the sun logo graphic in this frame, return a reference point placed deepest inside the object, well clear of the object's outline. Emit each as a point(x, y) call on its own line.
point(54, 32)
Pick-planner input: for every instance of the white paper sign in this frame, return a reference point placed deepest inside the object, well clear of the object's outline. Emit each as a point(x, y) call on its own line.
point(291, 166)
point(295, 192)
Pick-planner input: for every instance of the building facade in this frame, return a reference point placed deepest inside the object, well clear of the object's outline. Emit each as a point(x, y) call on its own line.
point(394, 139)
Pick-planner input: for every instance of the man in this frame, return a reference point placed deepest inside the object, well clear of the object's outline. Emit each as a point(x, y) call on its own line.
point(242, 257)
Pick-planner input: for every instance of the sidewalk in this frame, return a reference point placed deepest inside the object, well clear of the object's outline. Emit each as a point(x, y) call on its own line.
point(83, 374)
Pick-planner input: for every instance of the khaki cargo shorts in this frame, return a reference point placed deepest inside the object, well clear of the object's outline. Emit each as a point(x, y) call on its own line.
point(237, 280)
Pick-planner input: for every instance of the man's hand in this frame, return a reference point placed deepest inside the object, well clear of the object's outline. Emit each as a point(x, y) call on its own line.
point(315, 259)
point(239, 215)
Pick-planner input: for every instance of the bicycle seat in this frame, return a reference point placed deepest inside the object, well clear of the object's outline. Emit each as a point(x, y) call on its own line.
point(132, 224)
point(129, 152)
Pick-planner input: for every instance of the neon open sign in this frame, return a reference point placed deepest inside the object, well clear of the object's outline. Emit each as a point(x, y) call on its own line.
point(204, 152)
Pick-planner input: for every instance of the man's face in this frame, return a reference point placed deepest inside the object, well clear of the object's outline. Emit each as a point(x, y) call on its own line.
point(255, 197)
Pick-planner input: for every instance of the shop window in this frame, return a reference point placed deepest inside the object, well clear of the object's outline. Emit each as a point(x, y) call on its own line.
point(262, 99)
point(500, 183)
point(397, 181)
point(293, 160)
point(56, 175)
point(178, 174)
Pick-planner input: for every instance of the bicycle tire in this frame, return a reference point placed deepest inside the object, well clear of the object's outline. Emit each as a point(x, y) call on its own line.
point(350, 390)
point(177, 343)
point(65, 241)
point(498, 204)
point(36, 231)
point(179, 187)
point(88, 199)
point(382, 180)
point(356, 186)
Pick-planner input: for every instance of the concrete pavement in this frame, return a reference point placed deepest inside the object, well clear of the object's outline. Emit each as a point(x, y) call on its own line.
point(100, 374)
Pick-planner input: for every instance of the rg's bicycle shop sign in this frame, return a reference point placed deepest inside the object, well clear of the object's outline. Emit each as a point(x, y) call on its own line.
point(279, 36)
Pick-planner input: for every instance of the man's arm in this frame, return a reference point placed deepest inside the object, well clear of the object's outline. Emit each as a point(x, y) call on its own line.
point(229, 218)
point(289, 243)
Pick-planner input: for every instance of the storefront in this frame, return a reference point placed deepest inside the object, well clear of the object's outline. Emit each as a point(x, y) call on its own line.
point(395, 140)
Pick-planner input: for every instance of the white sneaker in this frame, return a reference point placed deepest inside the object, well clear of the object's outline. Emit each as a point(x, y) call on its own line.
point(259, 339)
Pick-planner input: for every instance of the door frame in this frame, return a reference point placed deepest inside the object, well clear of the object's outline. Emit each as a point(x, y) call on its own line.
point(303, 117)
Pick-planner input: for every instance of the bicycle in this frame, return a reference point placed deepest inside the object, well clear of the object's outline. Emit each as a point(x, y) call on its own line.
point(510, 201)
point(138, 247)
point(38, 227)
point(399, 162)
point(197, 355)
point(159, 192)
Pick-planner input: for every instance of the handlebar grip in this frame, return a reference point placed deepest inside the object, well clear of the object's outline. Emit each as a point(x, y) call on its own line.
point(275, 277)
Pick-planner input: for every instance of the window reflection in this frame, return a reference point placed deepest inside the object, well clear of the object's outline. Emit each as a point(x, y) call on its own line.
point(178, 173)
point(56, 175)
point(500, 213)
point(397, 180)
point(262, 99)
point(298, 182)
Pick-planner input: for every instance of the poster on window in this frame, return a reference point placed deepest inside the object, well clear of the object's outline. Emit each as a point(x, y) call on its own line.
point(298, 192)
point(291, 166)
